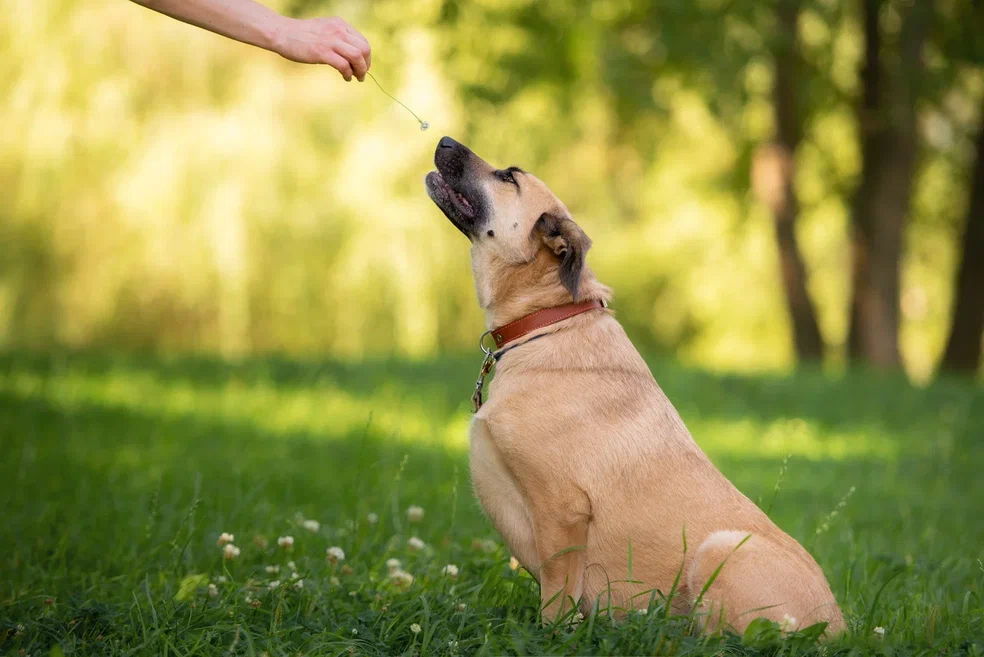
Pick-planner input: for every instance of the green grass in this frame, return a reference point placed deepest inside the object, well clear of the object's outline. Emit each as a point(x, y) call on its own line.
point(119, 473)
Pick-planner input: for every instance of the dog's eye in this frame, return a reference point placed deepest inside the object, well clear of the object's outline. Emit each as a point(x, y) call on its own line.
point(506, 175)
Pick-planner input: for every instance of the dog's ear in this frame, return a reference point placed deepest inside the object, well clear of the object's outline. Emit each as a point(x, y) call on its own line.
point(566, 239)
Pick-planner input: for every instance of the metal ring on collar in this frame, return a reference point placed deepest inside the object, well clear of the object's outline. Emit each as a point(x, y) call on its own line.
point(481, 343)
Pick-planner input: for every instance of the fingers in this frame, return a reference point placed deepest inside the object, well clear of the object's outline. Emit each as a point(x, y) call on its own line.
point(340, 64)
point(354, 57)
point(359, 41)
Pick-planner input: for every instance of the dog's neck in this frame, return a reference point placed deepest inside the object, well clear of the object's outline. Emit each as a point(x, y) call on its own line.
point(507, 303)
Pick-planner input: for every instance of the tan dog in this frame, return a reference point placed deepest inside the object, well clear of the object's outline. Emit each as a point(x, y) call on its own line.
point(578, 453)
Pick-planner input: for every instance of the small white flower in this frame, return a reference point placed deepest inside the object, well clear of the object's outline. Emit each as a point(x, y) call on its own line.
point(20, 628)
point(513, 563)
point(295, 576)
point(450, 570)
point(249, 598)
point(788, 623)
point(453, 645)
point(355, 631)
point(213, 590)
point(401, 577)
point(415, 543)
point(286, 542)
point(880, 631)
point(292, 565)
point(299, 584)
point(274, 584)
point(576, 620)
point(334, 581)
point(372, 518)
point(335, 554)
point(415, 514)
point(221, 579)
point(415, 628)
point(272, 569)
point(312, 525)
point(225, 538)
point(230, 551)
point(642, 612)
point(393, 564)
point(462, 606)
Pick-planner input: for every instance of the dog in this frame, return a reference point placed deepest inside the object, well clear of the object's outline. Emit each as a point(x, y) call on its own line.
point(577, 457)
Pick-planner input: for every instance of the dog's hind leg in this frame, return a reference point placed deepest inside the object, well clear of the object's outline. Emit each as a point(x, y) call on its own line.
point(759, 577)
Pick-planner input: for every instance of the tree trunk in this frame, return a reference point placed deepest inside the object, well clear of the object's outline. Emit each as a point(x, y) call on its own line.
point(773, 178)
point(887, 125)
point(963, 349)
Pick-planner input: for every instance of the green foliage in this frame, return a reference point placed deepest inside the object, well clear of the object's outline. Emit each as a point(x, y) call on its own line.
point(167, 189)
point(120, 473)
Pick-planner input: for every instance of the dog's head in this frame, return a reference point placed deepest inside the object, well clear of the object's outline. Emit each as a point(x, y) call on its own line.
point(524, 243)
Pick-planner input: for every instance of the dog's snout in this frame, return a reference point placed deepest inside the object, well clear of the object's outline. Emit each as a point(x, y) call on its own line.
point(447, 142)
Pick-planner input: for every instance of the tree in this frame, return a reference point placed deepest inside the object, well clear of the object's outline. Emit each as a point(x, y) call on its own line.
point(963, 348)
point(886, 117)
point(773, 179)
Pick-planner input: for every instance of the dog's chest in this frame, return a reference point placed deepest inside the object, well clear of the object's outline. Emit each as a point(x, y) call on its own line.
point(500, 496)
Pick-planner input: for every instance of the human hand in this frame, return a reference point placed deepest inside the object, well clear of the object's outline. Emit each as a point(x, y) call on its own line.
point(329, 41)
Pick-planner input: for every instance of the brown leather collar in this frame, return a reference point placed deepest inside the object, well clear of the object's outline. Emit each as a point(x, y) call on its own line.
point(540, 319)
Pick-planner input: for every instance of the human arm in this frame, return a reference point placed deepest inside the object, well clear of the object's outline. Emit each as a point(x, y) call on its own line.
point(329, 41)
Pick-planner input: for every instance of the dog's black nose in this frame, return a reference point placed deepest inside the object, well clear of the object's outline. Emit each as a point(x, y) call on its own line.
point(446, 142)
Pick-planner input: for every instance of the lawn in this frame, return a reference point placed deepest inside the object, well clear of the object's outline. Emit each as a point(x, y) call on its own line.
point(120, 473)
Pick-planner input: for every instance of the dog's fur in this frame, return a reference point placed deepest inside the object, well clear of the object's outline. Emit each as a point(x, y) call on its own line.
point(578, 454)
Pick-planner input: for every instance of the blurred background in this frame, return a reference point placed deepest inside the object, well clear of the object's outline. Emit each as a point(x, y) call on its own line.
point(767, 184)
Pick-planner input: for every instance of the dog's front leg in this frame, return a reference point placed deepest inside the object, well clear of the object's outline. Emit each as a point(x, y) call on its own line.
point(561, 534)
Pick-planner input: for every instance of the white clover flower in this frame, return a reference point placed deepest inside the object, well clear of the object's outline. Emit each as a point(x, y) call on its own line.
point(513, 563)
point(880, 631)
point(372, 518)
point(450, 570)
point(299, 584)
point(292, 565)
point(355, 632)
point(221, 579)
point(415, 543)
point(643, 612)
point(230, 551)
point(393, 564)
point(334, 581)
point(272, 569)
point(788, 623)
point(415, 513)
point(286, 542)
point(312, 525)
point(415, 628)
point(295, 575)
point(401, 577)
point(335, 554)
point(249, 598)
point(213, 590)
point(225, 538)
point(274, 584)
point(462, 606)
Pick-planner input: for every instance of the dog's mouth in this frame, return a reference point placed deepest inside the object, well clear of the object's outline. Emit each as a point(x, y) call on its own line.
point(455, 204)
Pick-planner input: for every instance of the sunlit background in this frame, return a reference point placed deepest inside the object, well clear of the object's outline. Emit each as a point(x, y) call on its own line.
point(163, 188)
